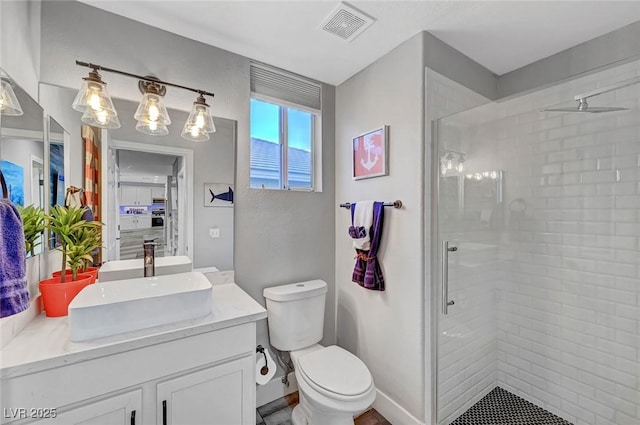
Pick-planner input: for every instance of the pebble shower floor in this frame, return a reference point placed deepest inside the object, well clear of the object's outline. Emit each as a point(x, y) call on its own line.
point(500, 407)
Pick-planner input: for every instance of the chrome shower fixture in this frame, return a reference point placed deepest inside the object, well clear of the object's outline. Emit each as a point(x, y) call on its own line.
point(583, 106)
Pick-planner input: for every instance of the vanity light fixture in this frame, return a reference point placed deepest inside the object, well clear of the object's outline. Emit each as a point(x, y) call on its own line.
point(94, 102)
point(152, 116)
point(9, 104)
point(200, 122)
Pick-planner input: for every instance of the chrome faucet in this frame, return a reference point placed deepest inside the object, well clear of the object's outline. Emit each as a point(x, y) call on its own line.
point(149, 257)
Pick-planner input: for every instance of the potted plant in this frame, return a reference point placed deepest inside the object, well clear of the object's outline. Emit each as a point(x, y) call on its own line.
point(33, 225)
point(67, 225)
point(85, 241)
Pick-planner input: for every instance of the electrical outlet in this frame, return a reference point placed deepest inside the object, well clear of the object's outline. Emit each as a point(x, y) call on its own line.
point(214, 233)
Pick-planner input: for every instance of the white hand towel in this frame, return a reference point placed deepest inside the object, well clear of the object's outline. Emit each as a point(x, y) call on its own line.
point(363, 217)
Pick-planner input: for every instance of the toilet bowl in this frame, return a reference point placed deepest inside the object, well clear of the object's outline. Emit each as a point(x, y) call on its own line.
point(334, 385)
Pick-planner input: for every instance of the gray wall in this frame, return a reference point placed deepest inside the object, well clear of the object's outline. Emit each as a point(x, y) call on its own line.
point(610, 49)
point(390, 330)
point(446, 60)
point(280, 237)
point(20, 43)
point(385, 329)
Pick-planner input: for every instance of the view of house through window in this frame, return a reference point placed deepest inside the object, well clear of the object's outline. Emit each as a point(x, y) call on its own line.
point(282, 141)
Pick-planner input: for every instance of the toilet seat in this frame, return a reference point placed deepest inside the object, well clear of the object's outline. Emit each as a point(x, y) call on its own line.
point(336, 373)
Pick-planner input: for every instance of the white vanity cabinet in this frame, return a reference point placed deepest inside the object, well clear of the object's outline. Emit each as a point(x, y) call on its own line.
point(121, 409)
point(206, 378)
point(213, 396)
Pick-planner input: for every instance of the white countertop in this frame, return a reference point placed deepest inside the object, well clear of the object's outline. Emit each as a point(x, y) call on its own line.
point(45, 344)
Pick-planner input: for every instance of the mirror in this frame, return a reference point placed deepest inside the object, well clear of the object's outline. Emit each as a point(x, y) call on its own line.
point(56, 135)
point(155, 185)
point(22, 153)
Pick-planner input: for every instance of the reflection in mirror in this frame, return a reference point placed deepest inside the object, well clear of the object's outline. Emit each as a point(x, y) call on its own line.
point(136, 199)
point(57, 135)
point(482, 199)
point(22, 153)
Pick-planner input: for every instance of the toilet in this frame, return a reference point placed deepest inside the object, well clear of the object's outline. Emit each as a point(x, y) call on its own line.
point(334, 385)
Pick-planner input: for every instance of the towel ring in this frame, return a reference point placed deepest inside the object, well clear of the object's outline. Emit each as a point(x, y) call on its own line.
point(5, 191)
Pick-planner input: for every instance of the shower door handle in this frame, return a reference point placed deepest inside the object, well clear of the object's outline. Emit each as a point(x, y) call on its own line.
point(445, 276)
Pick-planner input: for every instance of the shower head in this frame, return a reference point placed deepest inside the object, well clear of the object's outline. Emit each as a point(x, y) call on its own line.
point(583, 106)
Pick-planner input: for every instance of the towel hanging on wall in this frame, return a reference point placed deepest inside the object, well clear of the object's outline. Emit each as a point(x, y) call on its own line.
point(5, 191)
point(367, 271)
point(14, 295)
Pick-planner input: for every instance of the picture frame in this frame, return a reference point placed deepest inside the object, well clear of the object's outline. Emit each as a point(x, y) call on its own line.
point(218, 194)
point(369, 154)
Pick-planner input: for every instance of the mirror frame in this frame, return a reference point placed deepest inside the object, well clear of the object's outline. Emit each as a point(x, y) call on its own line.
point(66, 140)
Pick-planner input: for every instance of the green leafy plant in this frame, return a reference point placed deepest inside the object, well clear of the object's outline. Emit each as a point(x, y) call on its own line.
point(66, 223)
point(33, 225)
point(85, 241)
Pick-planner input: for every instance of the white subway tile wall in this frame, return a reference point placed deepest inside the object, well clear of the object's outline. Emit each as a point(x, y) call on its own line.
point(560, 275)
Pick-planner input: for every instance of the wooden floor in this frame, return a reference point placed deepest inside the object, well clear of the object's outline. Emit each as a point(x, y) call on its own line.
point(278, 412)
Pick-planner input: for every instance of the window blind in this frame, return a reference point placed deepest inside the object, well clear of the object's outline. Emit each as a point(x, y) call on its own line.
point(279, 84)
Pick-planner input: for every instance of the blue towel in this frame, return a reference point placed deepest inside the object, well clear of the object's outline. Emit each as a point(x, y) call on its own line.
point(14, 293)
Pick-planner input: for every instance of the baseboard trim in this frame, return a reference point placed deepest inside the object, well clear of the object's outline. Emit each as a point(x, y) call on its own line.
point(393, 412)
point(275, 389)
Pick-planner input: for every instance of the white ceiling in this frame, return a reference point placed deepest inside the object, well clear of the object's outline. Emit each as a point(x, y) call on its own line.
point(501, 35)
point(144, 167)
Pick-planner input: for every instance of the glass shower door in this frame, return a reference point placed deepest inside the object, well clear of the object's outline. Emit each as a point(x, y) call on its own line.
point(469, 217)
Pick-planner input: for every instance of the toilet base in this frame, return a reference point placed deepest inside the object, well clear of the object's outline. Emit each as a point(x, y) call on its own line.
point(307, 415)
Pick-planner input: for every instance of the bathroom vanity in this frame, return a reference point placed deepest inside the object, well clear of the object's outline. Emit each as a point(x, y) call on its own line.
point(195, 372)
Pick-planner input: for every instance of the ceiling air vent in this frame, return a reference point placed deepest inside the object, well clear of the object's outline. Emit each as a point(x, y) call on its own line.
point(346, 22)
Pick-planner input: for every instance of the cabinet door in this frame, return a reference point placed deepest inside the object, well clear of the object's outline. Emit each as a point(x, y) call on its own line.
point(219, 395)
point(144, 222)
point(123, 409)
point(127, 222)
point(157, 192)
point(144, 195)
point(128, 195)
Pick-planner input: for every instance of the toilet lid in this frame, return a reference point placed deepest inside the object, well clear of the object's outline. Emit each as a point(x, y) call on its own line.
point(336, 370)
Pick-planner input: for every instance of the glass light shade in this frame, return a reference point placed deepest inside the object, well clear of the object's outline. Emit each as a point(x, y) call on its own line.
point(100, 119)
point(195, 134)
point(93, 95)
point(152, 128)
point(199, 123)
point(9, 104)
point(152, 110)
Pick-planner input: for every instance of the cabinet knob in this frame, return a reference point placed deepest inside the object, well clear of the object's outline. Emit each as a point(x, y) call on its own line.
point(133, 417)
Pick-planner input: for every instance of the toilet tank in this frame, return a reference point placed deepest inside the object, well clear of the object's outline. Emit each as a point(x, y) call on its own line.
point(296, 314)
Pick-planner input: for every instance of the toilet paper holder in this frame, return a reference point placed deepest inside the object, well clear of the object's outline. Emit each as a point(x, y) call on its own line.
point(264, 369)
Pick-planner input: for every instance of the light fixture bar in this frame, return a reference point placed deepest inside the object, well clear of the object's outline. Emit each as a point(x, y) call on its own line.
point(141, 77)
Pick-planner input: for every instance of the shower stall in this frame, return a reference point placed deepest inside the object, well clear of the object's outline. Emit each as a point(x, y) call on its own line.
point(537, 255)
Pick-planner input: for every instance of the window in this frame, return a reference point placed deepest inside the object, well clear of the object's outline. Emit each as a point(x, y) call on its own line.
point(284, 130)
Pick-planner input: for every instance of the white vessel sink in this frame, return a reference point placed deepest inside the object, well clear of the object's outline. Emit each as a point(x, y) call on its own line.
point(129, 269)
point(105, 309)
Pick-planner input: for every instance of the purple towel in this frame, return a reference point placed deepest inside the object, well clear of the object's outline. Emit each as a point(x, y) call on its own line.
point(14, 294)
point(367, 271)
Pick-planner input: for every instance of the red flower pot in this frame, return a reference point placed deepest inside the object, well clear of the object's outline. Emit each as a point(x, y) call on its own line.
point(93, 271)
point(56, 295)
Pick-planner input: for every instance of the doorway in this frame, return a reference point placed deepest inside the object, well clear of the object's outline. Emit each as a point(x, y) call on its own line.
point(148, 192)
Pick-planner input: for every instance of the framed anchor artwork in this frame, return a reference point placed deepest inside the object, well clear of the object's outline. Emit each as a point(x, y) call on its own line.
point(370, 154)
